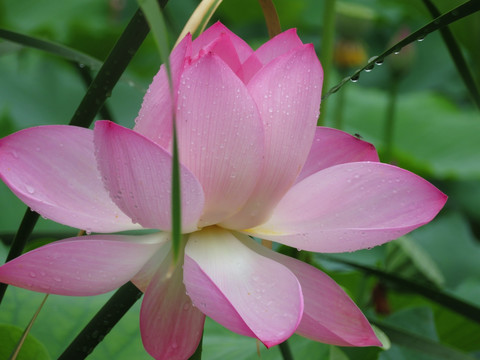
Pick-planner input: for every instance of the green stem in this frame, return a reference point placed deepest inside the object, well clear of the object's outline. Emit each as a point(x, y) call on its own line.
point(101, 324)
point(22, 339)
point(326, 58)
point(285, 350)
point(390, 120)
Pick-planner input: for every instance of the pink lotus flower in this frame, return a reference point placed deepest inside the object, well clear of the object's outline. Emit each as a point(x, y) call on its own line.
point(253, 163)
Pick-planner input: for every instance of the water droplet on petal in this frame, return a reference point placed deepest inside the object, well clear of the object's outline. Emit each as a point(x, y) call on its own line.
point(30, 189)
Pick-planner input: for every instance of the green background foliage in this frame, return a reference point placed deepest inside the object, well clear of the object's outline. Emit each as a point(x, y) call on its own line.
point(436, 135)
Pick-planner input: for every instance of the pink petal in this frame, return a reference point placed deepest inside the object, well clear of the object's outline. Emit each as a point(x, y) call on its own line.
point(81, 266)
point(240, 289)
point(287, 92)
point(225, 50)
point(143, 278)
point(53, 170)
point(171, 326)
point(137, 172)
point(352, 206)
point(329, 316)
point(220, 136)
point(279, 45)
point(332, 147)
point(215, 31)
point(155, 118)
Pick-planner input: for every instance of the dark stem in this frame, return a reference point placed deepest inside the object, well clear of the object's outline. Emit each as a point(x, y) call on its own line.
point(285, 350)
point(24, 231)
point(113, 67)
point(339, 109)
point(87, 78)
point(98, 91)
point(101, 324)
point(442, 298)
point(456, 14)
point(456, 55)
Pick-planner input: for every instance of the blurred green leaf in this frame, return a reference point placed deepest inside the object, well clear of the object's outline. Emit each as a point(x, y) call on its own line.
point(457, 331)
point(414, 331)
point(386, 343)
point(455, 14)
point(453, 329)
point(444, 143)
point(6, 124)
point(456, 54)
point(52, 48)
point(443, 298)
point(467, 31)
point(31, 348)
point(449, 241)
point(404, 252)
point(337, 354)
point(222, 344)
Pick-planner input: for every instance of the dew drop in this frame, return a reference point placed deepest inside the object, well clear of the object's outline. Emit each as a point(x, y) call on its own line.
point(355, 78)
point(30, 189)
point(369, 68)
point(32, 274)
